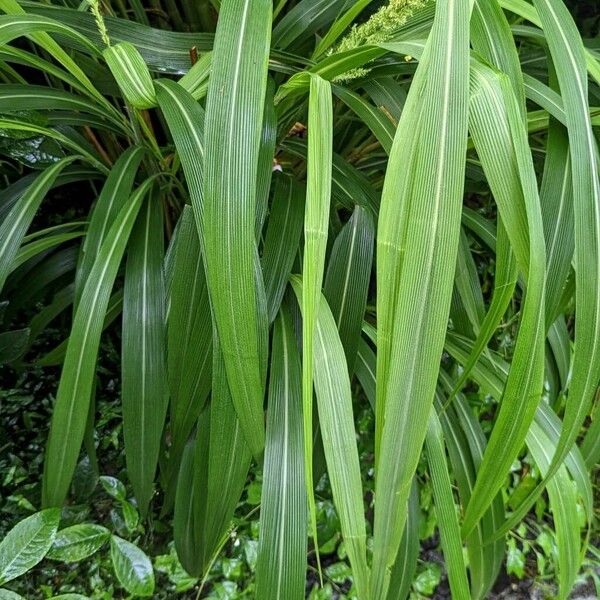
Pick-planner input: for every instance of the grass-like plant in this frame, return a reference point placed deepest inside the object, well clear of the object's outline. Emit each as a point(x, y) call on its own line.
point(301, 209)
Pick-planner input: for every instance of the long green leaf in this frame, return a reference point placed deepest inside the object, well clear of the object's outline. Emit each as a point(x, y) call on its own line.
point(19, 97)
point(405, 566)
point(417, 248)
point(144, 379)
point(11, 193)
point(74, 391)
point(377, 121)
point(556, 196)
point(527, 11)
point(465, 441)
point(348, 185)
point(348, 277)
point(569, 56)
point(445, 509)
point(41, 246)
point(281, 564)
point(18, 220)
point(228, 462)
point(305, 19)
point(266, 156)
point(334, 402)
point(496, 116)
point(57, 355)
point(184, 530)
point(114, 194)
point(591, 443)
point(281, 240)
point(467, 284)
point(567, 51)
point(234, 112)
point(17, 22)
point(490, 374)
point(318, 198)
point(563, 500)
point(189, 335)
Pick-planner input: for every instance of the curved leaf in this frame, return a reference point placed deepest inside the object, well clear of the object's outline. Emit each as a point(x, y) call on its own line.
point(234, 110)
point(26, 544)
point(78, 542)
point(74, 391)
point(131, 73)
point(494, 109)
point(18, 220)
point(132, 567)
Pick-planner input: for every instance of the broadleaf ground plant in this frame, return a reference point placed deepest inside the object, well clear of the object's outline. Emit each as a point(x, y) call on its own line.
point(349, 256)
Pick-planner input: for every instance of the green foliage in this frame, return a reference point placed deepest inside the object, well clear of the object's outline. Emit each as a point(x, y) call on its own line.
point(27, 543)
point(298, 299)
point(77, 542)
point(132, 567)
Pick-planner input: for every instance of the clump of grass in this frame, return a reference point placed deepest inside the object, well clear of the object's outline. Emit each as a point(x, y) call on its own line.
point(189, 239)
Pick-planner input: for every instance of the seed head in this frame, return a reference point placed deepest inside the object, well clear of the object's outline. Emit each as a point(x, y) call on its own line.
point(378, 29)
point(95, 8)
